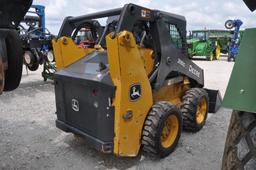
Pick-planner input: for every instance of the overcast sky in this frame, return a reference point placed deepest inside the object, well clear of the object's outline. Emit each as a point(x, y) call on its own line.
point(200, 14)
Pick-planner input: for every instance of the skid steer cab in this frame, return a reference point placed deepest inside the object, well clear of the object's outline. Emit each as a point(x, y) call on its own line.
point(135, 88)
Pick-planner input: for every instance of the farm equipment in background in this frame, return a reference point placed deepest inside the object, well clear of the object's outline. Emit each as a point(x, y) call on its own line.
point(209, 43)
point(236, 37)
point(135, 88)
point(240, 96)
point(37, 42)
point(11, 52)
point(84, 38)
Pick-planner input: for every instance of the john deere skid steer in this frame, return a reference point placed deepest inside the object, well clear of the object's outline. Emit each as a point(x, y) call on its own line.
point(133, 88)
point(11, 60)
point(240, 147)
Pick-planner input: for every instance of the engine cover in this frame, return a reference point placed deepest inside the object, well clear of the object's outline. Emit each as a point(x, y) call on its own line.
point(84, 93)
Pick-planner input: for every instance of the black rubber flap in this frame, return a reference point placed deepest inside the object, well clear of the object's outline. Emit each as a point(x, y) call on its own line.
point(215, 100)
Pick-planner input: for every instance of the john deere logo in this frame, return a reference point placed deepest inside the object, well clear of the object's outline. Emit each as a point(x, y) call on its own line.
point(135, 92)
point(75, 105)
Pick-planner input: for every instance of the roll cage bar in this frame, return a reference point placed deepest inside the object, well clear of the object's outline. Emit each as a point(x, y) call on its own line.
point(167, 55)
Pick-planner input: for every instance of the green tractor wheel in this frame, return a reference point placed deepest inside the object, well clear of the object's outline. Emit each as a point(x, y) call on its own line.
point(217, 52)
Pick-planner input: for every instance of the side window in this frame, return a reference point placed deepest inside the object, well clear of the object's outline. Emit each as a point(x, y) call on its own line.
point(175, 36)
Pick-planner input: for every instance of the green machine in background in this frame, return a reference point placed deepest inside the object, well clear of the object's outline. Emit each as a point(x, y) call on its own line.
point(240, 147)
point(209, 43)
point(240, 94)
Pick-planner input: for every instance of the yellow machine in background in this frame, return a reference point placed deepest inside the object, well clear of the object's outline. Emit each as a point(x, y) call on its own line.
point(67, 52)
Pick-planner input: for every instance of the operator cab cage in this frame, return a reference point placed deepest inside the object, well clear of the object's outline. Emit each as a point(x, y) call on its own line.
point(121, 19)
point(163, 32)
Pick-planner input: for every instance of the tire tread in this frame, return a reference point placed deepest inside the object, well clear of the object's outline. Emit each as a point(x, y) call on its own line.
point(151, 128)
point(239, 149)
point(189, 107)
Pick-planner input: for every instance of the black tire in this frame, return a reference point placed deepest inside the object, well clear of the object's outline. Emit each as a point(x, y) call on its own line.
point(240, 147)
point(153, 127)
point(1, 75)
point(34, 64)
point(190, 102)
point(15, 61)
point(229, 24)
point(33, 67)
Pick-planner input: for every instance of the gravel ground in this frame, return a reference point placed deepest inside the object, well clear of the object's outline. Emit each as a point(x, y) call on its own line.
point(30, 140)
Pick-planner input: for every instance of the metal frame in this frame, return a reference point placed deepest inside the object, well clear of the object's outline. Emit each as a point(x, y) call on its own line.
point(128, 16)
point(38, 40)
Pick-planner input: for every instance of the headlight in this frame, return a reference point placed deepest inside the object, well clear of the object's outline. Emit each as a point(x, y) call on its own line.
point(50, 56)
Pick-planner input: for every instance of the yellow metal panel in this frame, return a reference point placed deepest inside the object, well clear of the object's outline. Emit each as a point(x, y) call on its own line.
point(66, 52)
point(127, 68)
point(148, 58)
point(172, 93)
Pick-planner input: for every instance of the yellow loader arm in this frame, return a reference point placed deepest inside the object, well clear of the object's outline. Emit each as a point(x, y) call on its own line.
point(122, 54)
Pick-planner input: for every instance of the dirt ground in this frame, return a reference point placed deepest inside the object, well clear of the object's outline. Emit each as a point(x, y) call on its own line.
point(30, 140)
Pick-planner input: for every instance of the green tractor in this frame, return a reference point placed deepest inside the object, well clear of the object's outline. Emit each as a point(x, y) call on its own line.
point(240, 147)
point(209, 43)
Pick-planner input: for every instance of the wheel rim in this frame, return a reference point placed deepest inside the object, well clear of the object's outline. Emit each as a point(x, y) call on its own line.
point(50, 56)
point(211, 56)
point(201, 111)
point(218, 53)
point(169, 131)
point(27, 58)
